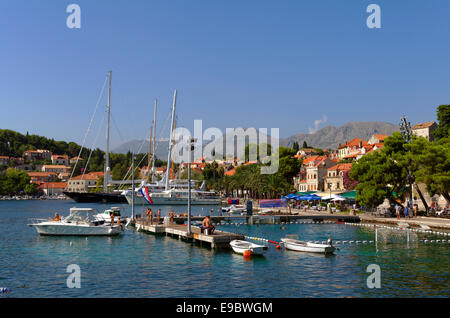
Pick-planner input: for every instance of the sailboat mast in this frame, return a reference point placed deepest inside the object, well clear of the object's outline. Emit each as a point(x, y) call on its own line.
point(108, 110)
point(170, 139)
point(154, 142)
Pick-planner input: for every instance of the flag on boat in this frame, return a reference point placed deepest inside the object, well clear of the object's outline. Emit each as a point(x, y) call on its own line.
point(146, 195)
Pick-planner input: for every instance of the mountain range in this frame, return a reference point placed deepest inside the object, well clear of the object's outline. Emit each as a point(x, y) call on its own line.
point(325, 138)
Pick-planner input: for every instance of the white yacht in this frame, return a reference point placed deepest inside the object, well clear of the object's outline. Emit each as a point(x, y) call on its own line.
point(177, 197)
point(106, 216)
point(80, 222)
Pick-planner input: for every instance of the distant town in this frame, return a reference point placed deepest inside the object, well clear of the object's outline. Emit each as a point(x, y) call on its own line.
point(319, 169)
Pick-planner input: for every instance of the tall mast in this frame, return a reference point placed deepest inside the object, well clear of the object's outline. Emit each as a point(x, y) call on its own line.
point(154, 142)
point(170, 139)
point(149, 158)
point(108, 110)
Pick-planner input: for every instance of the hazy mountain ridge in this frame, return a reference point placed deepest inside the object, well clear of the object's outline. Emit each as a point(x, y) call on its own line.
point(326, 137)
point(331, 136)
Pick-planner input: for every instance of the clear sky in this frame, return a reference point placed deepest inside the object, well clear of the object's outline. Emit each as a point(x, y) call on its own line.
point(248, 63)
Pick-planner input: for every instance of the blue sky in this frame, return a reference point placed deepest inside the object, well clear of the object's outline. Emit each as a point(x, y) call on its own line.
point(241, 63)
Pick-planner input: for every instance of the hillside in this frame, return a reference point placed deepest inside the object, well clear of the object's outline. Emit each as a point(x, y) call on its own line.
point(331, 137)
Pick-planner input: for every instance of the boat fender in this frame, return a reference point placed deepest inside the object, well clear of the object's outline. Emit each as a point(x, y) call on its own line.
point(247, 253)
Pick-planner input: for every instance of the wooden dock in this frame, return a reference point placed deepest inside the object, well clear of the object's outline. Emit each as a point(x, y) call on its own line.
point(219, 239)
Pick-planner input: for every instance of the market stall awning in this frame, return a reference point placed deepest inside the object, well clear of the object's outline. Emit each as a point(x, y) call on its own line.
point(350, 195)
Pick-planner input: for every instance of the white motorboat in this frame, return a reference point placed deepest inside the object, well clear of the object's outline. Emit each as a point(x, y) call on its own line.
point(265, 211)
point(240, 247)
point(106, 216)
point(300, 246)
point(234, 209)
point(80, 222)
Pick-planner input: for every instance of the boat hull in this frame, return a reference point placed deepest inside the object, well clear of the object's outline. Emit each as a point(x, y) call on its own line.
point(86, 197)
point(48, 229)
point(300, 246)
point(241, 246)
point(139, 200)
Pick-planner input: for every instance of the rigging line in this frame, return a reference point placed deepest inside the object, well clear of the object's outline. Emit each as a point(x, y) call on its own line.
point(89, 127)
point(126, 175)
point(92, 148)
point(117, 127)
point(128, 171)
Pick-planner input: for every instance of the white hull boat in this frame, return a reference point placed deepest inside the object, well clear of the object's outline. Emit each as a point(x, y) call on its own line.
point(240, 247)
point(300, 246)
point(80, 222)
point(234, 209)
point(177, 197)
point(106, 216)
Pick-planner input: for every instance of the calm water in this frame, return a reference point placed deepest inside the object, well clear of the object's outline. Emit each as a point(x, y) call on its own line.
point(141, 265)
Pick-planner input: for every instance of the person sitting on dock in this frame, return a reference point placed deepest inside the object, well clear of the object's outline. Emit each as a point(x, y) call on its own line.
point(57, 217)
point(206, 223)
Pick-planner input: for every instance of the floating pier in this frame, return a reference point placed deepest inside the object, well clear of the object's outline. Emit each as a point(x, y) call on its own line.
point(219, 239)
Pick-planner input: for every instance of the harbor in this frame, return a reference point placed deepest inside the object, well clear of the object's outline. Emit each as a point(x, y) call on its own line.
point(139, 264)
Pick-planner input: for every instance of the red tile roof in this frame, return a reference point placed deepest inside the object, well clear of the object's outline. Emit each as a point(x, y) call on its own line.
point(52, 185)
point(424, 125)
point(353, 143)
point(230, 172)
point(341, 166)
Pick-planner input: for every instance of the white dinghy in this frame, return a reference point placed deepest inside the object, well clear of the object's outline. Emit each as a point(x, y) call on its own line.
point(240, 247)
point(301, 246)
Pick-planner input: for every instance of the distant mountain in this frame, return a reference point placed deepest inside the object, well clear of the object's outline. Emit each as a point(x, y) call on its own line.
point(327, 137)
point(331, 137)
point(141, 146)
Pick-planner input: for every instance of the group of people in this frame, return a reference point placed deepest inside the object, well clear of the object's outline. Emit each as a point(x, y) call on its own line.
point(407, 211)
point(206, 223)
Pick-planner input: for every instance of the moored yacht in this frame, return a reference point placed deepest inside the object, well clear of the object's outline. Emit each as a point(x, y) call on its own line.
point(80, 222)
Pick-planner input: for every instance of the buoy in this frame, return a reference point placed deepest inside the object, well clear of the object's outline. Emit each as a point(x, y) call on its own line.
point(247, 253)
point(278, 247)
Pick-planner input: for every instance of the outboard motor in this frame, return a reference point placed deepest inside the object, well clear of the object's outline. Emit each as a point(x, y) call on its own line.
point(330, 241)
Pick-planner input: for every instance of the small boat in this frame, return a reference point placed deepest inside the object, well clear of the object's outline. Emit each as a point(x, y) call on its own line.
point(300, 246)
point(80, 222)
point(265, 211)
point(240, 247)
point(234, 209)
point(106, 216)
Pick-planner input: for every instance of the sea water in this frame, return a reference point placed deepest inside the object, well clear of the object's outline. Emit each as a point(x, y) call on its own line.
point(142, 265)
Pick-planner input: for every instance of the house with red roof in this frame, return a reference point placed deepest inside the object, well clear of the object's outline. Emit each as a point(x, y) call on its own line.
point(312, 173)
point(425, 130)
point(376, 139)
point(351, 148)
point(83, 183)
point(334, 179)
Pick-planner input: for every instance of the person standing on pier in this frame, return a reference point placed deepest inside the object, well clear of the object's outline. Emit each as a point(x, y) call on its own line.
point(159, 215)
point(149, 214)
point(112, 216)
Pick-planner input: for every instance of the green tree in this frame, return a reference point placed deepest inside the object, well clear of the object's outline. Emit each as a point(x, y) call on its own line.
point(305, 145)
point(443, 116)
point(295, 146)
point(433, 165)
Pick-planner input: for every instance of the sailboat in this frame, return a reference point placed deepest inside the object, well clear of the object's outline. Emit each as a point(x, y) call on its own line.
point(171, 192)
point(104, 196)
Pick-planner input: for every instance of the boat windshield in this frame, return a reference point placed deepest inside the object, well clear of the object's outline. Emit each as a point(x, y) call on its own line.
point(80, 215)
